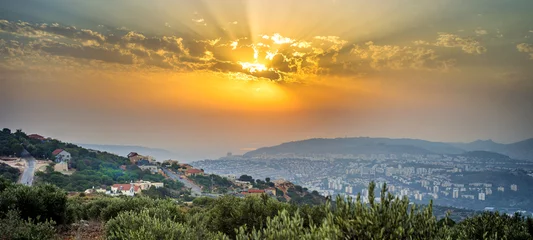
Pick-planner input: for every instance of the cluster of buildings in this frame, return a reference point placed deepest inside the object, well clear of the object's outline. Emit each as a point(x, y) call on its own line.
point(130, 189)
point(453, 180)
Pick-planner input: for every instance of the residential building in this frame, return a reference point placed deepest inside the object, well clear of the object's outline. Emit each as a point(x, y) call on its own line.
point(125, 189)
point(255, 192)
point(145, 185)
point(151, 168)
point(481, 196)
point(61, 155)
point(194, 172)
point(37, 137)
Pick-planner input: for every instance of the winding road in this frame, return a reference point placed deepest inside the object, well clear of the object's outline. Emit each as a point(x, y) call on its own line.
point(29, 171)
point(195, 190)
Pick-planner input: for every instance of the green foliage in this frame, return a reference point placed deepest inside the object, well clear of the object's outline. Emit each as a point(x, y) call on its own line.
point(13, 227)
point(229, 213)
point(31, 213)
point(491, 226)
point(42, 202)
point(212, 182)
point(246, 178)
point(291, 226)
point(161, 192)
point(8, 172)
point(154, 223)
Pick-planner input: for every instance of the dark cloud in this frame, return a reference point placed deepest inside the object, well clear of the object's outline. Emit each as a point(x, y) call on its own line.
point(91, 53)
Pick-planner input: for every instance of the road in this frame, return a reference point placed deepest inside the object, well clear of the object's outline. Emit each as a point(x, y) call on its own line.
point(195, 190)
point(29, 171)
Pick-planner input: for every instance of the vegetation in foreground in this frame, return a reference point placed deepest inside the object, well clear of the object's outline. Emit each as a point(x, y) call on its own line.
point(44, 211)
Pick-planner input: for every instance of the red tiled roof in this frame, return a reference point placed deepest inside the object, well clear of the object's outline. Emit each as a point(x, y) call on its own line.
point(125, 187)
point(256, 191)
point(36, 136)
point(193, 170)
point(57, 151)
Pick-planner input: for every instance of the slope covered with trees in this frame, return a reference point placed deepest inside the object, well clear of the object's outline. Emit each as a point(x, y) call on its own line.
point(44, 212)
point(90, 168)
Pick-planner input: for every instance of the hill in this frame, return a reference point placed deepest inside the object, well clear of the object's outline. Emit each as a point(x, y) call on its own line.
point(522, 150)
point(361, 145)
point(87, 168)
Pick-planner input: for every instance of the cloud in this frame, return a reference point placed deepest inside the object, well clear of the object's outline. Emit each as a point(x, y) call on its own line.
point(198, 20)
point(468, 45)
point(392, 57)
point(525, 48)
point(273, 57)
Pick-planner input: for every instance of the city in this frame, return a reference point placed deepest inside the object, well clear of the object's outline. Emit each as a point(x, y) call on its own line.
point(474, 180)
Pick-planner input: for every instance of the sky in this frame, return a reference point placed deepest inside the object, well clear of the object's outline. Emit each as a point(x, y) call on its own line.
point(202, 78)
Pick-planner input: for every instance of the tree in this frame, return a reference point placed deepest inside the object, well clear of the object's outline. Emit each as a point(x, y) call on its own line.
point(6, 131)
point(246, 178)
point(267, 179)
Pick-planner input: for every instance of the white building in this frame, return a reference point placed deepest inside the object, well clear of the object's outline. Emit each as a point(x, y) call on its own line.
point(435, 189)
point(61, 155)
point(455, 193)
point(481, 196)
point(151, 168)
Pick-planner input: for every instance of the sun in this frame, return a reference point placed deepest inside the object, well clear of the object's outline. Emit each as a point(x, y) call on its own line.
point(253, 67)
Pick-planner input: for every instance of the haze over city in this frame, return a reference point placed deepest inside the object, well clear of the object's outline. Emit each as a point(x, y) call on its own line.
point(202, 78)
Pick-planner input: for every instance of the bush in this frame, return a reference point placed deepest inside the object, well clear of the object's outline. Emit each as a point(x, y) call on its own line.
point(153, 224)
point(14, 227)
point(47, 202)
point(491, 226)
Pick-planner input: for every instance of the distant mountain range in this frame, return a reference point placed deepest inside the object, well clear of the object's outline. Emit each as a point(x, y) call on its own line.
point(364, 145)
point(519, 150)
point(123, 150)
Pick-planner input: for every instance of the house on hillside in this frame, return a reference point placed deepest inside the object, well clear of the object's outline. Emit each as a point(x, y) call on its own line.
point(138, 159)
point(125, 189)
point(194, 172)
point(61, 155)
point(144, 185)
point(37, 137)
point(152, 168)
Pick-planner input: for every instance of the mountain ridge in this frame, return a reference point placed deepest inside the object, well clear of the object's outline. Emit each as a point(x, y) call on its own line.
point(522, 150)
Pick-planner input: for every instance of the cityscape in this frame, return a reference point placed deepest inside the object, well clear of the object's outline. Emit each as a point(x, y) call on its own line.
point(475, 181)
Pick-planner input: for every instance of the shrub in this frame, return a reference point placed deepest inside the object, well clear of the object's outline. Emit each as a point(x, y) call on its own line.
point(14, 227)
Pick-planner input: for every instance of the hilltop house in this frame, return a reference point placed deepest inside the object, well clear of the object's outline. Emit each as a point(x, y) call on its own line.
point(37, 137)
point(194, 172)
point(138, 159)
point(61, 155)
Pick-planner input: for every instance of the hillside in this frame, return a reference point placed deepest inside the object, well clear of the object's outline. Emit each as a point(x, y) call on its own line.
point(87, 168)
point(359, 146)
point(522, 150)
